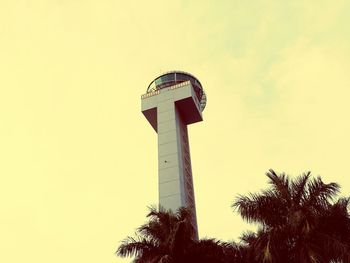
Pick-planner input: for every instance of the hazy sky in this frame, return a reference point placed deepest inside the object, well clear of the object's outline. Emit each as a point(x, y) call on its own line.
point(78, 161)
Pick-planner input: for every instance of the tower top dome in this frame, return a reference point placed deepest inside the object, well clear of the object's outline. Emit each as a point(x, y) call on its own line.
point(175, 77)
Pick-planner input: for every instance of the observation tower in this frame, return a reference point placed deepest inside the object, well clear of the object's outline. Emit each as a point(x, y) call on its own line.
point(173, 101)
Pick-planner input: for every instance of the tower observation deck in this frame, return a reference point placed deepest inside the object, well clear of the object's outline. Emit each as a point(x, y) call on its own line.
point(173, 101)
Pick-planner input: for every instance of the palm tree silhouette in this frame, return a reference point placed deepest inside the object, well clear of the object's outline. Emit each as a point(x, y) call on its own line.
point(168, 238)
point(297, 221)
point(164, 238)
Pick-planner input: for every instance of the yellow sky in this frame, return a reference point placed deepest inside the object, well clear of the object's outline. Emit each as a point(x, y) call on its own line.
point(78, 161)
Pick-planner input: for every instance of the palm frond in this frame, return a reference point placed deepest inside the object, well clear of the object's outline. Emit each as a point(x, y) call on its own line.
point(248, 237)
point(264, 208)
point(183, 213)
point(320, 194)
point(160, 214)
point(154, 231)
point(247, 207)
point(280, 183)
point(298, 188)
point(134, 247)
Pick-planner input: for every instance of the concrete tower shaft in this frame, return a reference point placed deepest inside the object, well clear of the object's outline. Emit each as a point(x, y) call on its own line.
point(169, 110)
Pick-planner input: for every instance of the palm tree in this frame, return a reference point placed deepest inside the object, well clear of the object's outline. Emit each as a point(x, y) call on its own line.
point(165, 238)
point(335, 224)
point(207, 250)
point(169, 237)
point(297, 221)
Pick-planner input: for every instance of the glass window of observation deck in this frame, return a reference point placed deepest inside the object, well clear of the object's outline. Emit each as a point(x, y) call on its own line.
point(168, 78)
point(181, 77)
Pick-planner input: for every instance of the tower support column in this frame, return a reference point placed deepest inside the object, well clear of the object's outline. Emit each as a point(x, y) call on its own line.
point(174, 166)
point(173, 101)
